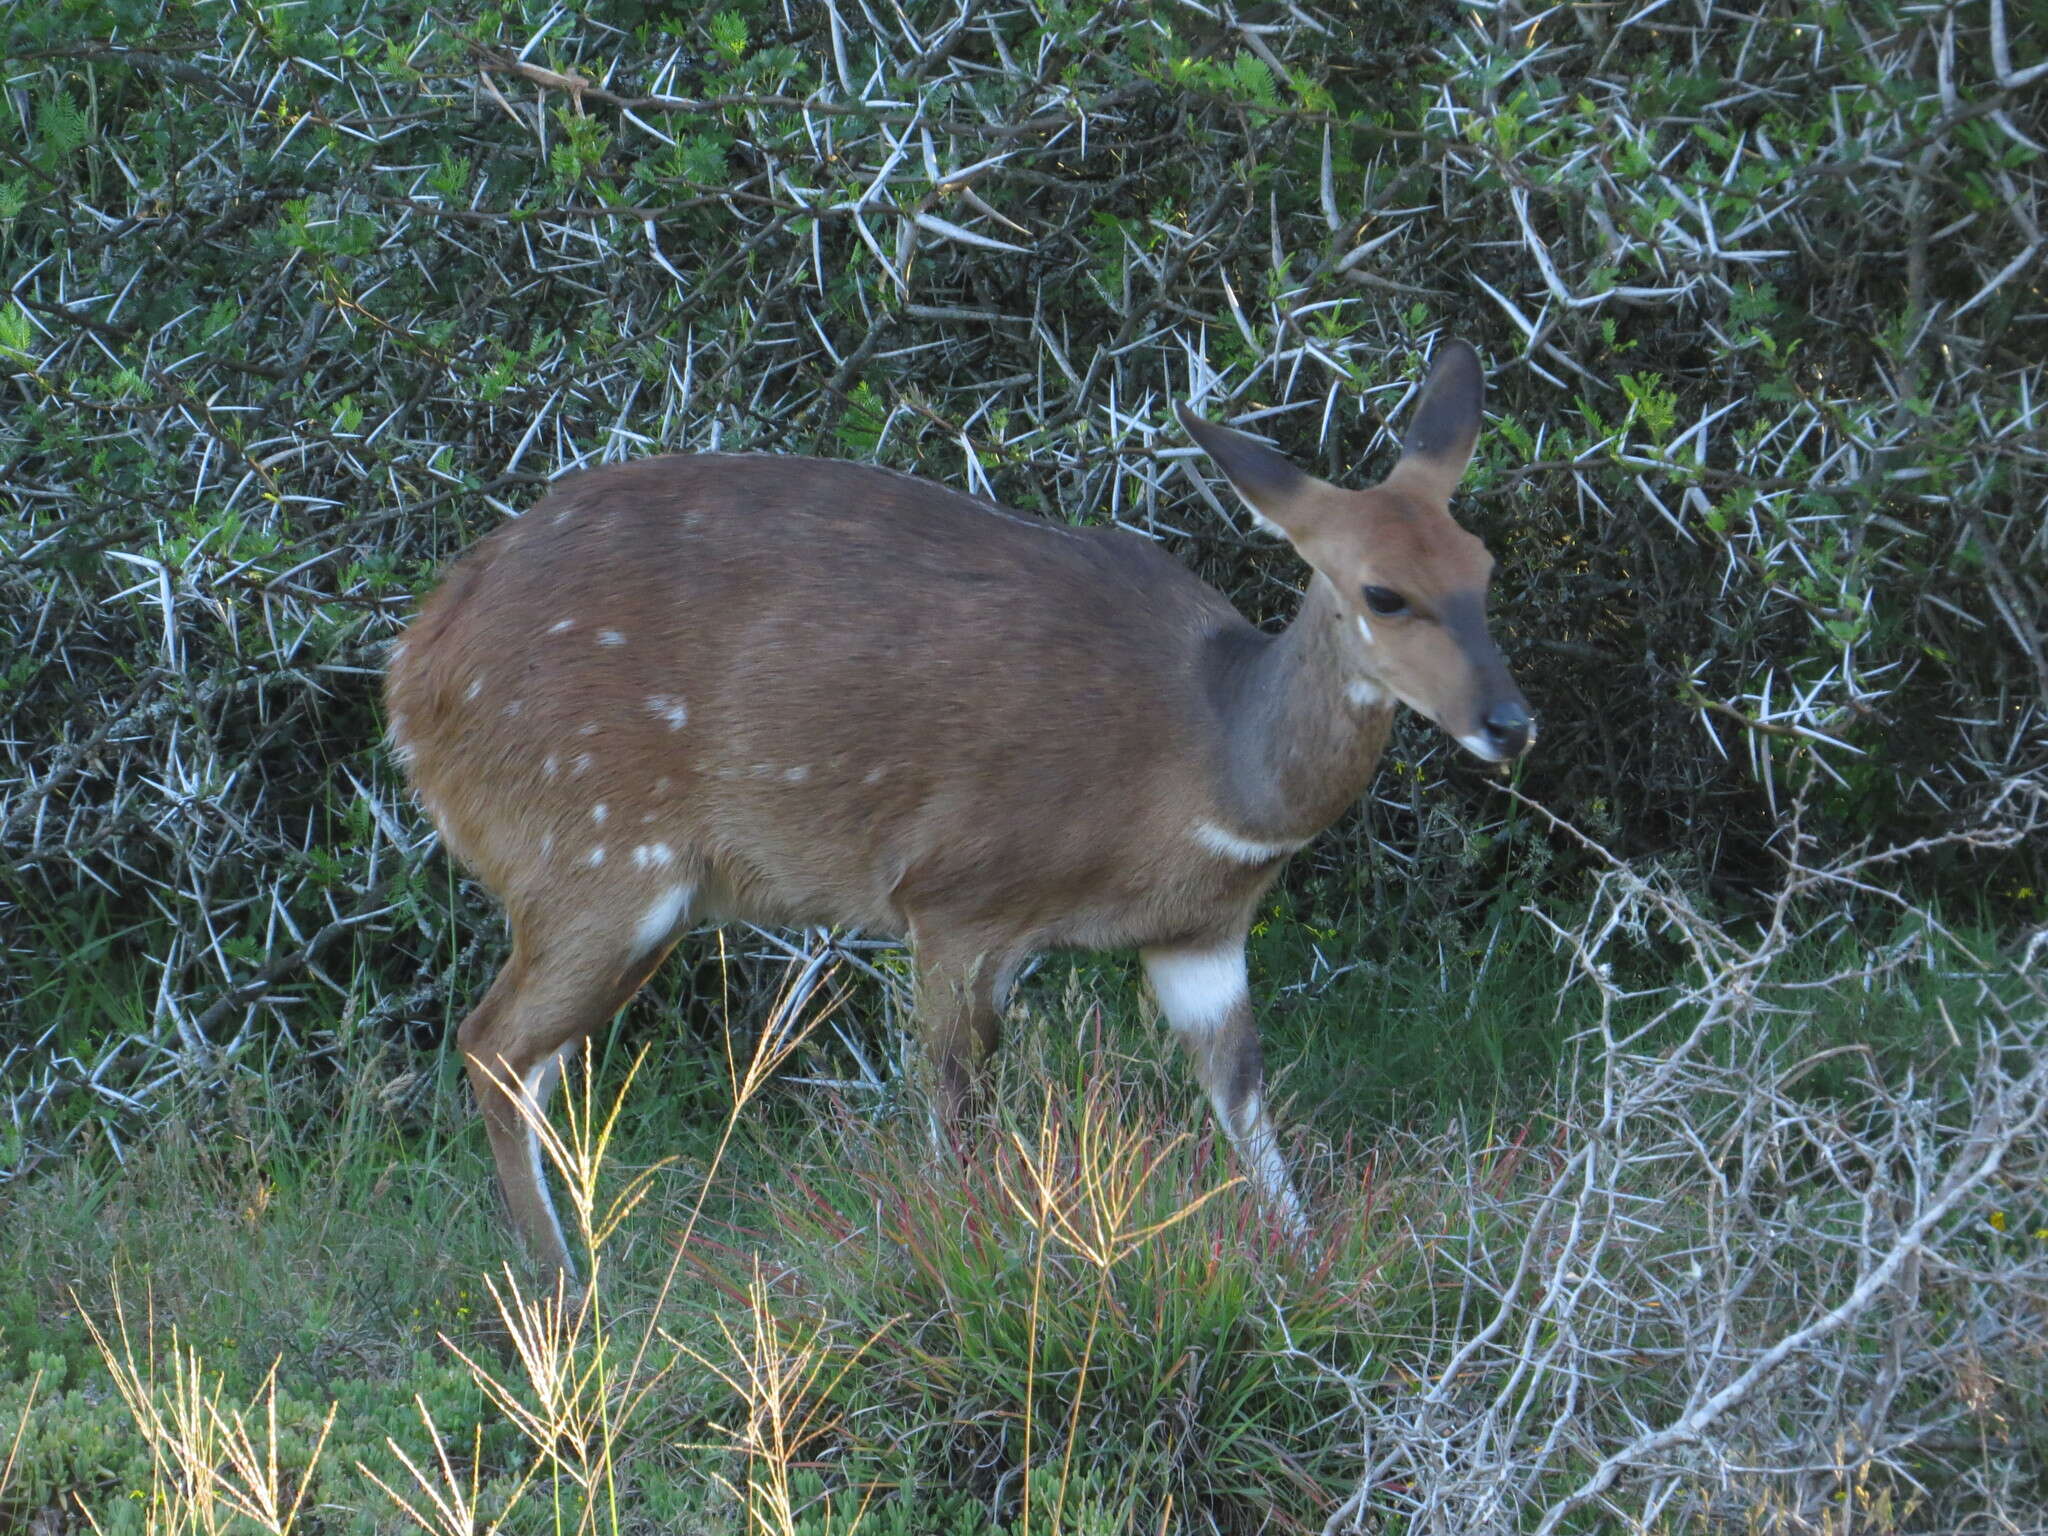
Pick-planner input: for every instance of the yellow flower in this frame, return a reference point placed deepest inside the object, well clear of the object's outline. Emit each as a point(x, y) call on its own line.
point(1997, 1220)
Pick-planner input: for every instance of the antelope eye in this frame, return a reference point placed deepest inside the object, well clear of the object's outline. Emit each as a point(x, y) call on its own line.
point(1385, 601)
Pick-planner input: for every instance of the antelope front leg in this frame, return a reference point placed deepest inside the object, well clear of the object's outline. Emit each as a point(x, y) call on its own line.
point(1208, 1005)
point(959, 1011)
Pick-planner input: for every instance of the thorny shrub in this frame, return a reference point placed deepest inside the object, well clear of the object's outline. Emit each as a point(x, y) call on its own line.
point(301, 299)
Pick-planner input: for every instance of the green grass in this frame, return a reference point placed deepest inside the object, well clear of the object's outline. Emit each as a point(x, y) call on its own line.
point(1084, 1295)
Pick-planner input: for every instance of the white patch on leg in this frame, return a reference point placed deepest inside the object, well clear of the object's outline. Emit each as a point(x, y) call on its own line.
point(540, 1088)
point(660, 919)
point(1257, 1146)
point(1198, 989)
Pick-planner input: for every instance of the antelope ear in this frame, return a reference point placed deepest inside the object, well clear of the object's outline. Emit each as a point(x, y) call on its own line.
point(1279, 494)
point(1443, 428)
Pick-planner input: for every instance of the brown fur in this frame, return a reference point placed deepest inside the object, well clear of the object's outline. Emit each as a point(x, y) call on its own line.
point(807, 692)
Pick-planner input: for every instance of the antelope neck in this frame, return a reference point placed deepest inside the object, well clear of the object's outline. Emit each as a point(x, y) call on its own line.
point(1297, 749)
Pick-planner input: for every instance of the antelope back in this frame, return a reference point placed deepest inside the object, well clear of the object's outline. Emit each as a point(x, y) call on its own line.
point(815, 691)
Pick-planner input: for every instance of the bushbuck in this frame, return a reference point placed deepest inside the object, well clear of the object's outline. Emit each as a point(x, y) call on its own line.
point(792, 691)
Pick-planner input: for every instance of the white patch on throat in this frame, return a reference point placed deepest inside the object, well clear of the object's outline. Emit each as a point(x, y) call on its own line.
point(1479, 747)
point(1365, 693)
point(660, 919)
point(1243, 849)
point(1198, 990)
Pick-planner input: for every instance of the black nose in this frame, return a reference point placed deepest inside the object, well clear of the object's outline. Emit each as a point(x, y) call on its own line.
point(1507, 728)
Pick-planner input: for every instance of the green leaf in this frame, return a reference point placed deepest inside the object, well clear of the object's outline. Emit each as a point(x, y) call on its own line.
point(860, 426)
point(1254, 78)
point(17, 334)
point(61, 123)
point(729, 34)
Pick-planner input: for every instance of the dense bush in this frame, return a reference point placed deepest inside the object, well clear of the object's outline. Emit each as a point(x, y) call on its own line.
point(305, 297)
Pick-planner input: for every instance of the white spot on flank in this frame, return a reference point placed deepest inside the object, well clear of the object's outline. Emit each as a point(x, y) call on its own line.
point(797, 774)
point(513, 710)
point(661, 785)
point(653, 856)
point(547, 844)
point(476, 686)
point(1365, 629)
point(660, 919)
point(549, 766)
point(1365, 693)
point(587, 728)
point(644, 820)
point(674, 711)
point(873, 776)
point(596, 856)
point(1243, 849)
point(610, 637)
point(582, 765)
point(1198, 989)
point(561, 625)
point(598, 812)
